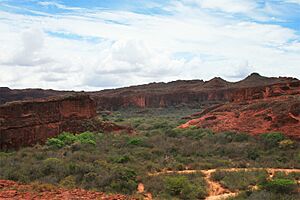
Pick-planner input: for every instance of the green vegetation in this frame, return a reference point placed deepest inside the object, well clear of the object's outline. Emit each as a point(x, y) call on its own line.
point(172, 186)
point(264, 195)
point(280, 186)
point(272, 139)
point(116, 163)
point(68, 139)
point(239, 180)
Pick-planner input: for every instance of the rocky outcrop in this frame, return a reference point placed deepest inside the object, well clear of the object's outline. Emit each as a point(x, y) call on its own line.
point(29, 122)
point(271, 114)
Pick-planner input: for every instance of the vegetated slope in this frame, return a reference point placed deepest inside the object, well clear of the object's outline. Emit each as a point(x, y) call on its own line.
point(280, 114)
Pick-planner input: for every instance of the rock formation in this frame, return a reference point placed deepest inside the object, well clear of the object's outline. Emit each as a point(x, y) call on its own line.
point(29, 122)
point(8, 95)
point(277, 108)
point(194, 93)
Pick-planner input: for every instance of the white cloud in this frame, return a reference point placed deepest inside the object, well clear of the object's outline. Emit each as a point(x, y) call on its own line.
point(293, 1)
point(57, 5)
point(139, 48)
point(231, 6)
point(32, 43)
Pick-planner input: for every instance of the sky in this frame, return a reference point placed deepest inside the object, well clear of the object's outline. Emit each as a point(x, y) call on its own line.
point(98, 44)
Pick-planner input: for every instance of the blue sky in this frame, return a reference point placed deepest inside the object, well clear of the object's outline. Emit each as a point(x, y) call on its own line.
point(97, 44)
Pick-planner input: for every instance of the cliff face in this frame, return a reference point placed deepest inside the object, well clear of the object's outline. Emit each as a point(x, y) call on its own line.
point(29, 122)
point(176, 93)
point(194, 95)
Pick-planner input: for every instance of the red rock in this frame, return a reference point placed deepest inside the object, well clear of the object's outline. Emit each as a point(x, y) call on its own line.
point(176, 93)
point(253, 116)
point(29, 122)
point(13, 190)
point(195, 92)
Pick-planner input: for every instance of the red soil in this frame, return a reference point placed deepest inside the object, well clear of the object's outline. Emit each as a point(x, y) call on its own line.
point(12, 190)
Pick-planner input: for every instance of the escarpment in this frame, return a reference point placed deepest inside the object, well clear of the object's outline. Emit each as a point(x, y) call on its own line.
point(195, 93)
point(26, 123)
point(192, 93)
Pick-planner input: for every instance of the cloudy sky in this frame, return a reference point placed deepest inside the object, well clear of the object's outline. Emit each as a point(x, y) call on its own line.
point(97, 44)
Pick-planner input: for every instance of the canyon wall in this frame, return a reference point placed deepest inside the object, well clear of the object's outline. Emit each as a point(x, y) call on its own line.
point(193, 93)
point(26, 123)
point(194, 97)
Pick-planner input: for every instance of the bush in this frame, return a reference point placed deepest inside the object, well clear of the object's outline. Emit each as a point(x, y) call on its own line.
point(51, 166)
point(68, 182)
point(172, 186)
point(272, 139)
point(86, 138)
point(283, 186)
point(123, 180)
point(135, 141)
point(264, 195)
point(239, 180)
point(69, 139)
point(55, 142)
point(287, 144)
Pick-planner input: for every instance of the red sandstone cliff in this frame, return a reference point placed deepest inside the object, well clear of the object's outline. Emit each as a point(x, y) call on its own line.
point(29, 122)
point(194, 93)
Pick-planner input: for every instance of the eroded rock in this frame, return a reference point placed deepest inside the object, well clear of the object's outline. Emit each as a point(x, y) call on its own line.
point(26, 123)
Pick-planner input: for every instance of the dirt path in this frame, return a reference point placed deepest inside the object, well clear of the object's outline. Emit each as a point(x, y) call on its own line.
point(215, 189)
point(210, 171)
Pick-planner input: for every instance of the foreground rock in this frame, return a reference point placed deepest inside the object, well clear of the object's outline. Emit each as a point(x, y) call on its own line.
point(13, 190)
point(29, 122)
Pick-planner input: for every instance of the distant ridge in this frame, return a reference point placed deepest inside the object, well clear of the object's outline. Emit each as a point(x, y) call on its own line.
point(216, 82)
point(181, 92)
point(255, 79)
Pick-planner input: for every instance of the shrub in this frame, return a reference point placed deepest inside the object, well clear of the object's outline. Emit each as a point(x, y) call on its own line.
point(180, 186)
point(239, 180)
point(68, 182)
point(51, 165)
point(135, 141)
point(173, 186)
point(67, 138)
point(123, 180)
point(280, 186)
point(120, 159)
point(42, 187)
point(86, 138)
point(287, 144)
point(54, 142)
point(272, 139)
